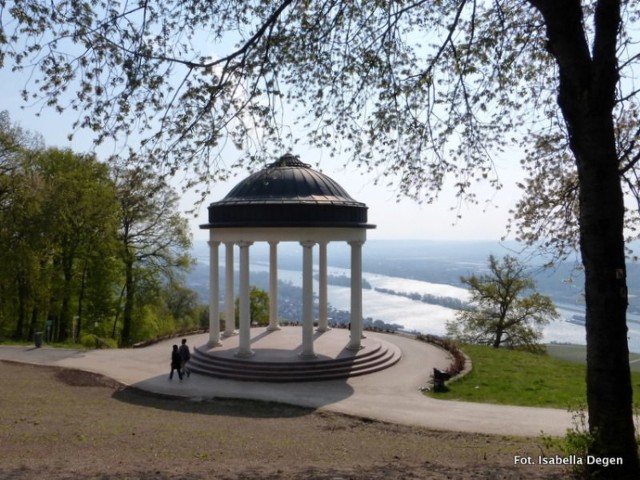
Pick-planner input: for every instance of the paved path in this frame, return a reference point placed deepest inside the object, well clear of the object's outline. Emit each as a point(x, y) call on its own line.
point(391, 395)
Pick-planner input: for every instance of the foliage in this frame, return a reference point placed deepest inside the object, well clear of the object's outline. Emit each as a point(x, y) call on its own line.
point(578, 440)
point(183, 304)
point(153, 238)
point(414, 91)
point(61, 246)
point(459, 359)
point(499, 314)
point(258, 306)
point(91, 340)
point(57, 219)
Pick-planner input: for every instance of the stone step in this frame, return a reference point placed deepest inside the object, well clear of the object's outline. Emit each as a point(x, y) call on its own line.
point(256, 363)
point(297, 370)
point(204, 362)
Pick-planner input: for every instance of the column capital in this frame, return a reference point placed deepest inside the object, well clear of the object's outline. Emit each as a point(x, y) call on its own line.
point(213, 243)
point(356, 243)
point(274, 242)
point(244, 243)
point(308, 243)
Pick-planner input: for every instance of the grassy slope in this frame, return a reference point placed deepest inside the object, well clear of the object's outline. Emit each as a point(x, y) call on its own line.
point(518, 378)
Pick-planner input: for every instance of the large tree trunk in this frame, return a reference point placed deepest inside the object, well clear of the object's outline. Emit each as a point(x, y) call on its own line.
point(34, 322)
point(83, 283)
point(127, 316)
point(586, 97)
point(23, 294)
point(498, 338)
point(609, 392)
point(66, 322)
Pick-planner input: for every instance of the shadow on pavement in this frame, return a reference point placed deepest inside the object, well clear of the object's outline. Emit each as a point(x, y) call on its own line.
point(241, 399)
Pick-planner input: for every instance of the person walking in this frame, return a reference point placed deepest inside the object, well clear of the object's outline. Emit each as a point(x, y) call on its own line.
point(176, 362)
point(185, 356)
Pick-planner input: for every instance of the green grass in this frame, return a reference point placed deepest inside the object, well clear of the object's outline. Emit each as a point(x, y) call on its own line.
point(508, 377)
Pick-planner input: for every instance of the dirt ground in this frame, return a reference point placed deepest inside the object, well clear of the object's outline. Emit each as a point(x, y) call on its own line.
point(64, 424)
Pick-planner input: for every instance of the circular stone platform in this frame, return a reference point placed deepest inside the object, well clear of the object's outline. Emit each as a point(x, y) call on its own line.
point(277, 357)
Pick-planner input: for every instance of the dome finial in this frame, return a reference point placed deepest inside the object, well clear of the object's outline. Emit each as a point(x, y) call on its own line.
point(289, 160)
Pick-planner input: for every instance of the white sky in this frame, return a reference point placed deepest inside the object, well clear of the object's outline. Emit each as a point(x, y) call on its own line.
point(404, 220)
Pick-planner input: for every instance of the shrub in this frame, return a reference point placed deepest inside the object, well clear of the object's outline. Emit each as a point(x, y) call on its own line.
point(89, 340)
point(459, 359)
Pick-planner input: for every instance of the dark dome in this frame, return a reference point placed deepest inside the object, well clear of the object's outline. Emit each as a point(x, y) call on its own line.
point(287, 193)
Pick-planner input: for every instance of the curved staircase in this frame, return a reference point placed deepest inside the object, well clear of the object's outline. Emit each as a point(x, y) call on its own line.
point(285, 365)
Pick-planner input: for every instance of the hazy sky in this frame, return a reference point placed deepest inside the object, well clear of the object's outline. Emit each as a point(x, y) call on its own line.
point(404, 220)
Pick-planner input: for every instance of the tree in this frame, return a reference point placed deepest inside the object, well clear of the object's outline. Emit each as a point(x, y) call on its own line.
point(24, 255)
point(51, 264)
point(56, 232)
point(258, 306)
point(418, 91)
point(63, 253)
point(183, 304)
point(23, 250)
point(79, 214)
point(499, 314)
point(153, 236)
point(14, 143)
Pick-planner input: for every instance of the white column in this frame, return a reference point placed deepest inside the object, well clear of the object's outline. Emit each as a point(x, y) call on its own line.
point(323, 316)
point(214, 294)
point(273, 287)
point(229, 306)
point(245, 313)
point(307, 299)
point(356, 295)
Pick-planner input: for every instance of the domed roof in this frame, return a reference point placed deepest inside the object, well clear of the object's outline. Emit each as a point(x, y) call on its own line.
point(287, 192)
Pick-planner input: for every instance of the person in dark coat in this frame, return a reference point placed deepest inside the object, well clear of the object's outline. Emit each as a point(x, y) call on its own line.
point(185, 355)
point(176, 362)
